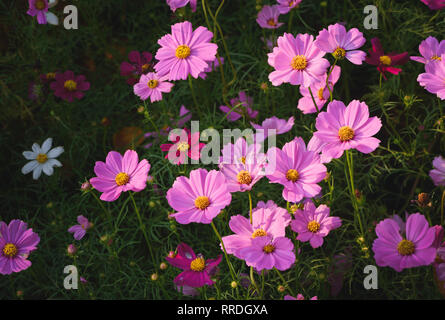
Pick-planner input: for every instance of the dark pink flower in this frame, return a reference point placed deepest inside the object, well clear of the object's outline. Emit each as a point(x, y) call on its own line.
point(38, 8)
point(139, 64)
point(186, 144)
point(434, 4)
point(240, 107)
point(69, 86)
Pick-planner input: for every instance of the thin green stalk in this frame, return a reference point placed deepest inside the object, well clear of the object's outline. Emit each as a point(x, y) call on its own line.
point(289, 24)
point(232, 271)
point(142, 226)
point(250, 206)
point(313, 100)
point(194, 96)
point(107, 213)
point(284, 282)
point(327, 79)
point(349, 161)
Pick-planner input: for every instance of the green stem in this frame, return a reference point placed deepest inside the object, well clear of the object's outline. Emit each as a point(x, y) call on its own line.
point(232, 271)
point(193, 95)
point(327, 79)
point(313, 100)
point(291, 17)
point(250, 206)
point(284, 282)
point(349, 161)
point(107, 213)
point(441, 207)
point(142, 226)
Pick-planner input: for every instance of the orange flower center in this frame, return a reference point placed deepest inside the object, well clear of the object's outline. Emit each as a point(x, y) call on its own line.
point(320, 94)
point(299, 62)
point(406, 247)
point(145, 67)
point(244, 177)
point(259, 233)
point(40, 4)
point(268, 248)
point(202, 202)
point(385, 60)
point(436, 58)
point(70, 85)
point(339, 53)
point(152, 83)
point(10, 250)
point(313, 226)
point(345, 133)
point(292, 175)
point(50, 75)
point(183, 146)
point(42, 158)
point(271, 22)
point(182, 52)
point(122, 178)
point(198, 264)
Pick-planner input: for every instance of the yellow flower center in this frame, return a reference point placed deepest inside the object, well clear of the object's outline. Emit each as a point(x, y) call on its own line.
point(244, 177)
point(268, 248)
point(50, 75)
point(242, 160)
point(345, 133)
point(152, 83)
point(40, 4)
point(294, 208)
point(202, 202)
point(271, 22)
point(292, 175)
point(182, 52)
point(436, 58)
point(406, 247)
point(320, 94)
point(70, 85)
point(313, 226)
point(339, 53)
point(145, 67)
point(122, 178)
point(42, 158)
point(385, 60)
point(10, 250)
point(259, 233)
point(198, 264)
point(299, 62)
point(183, 146)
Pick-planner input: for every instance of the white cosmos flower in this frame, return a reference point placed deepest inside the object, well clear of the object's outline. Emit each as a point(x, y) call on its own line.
point(43, 159)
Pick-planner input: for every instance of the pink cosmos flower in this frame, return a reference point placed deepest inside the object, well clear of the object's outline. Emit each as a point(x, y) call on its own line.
point(440, 266)
point(212, 66)
point(431, 50)
point(185, 52)
point(438, 173)
point(79, 230)
point(240, 107)
point(317, 145)
point(341, 43)
point(69, 86)
point(119, 174)
point(195, 268)
point(401, 251)
point(284, 6)
point(199, 198)
point(38, 8)
point(268, 17)
point(264, 222)
point(434, 78)
point(186, 145)
point(343, 128)
point(270, 204)
point(279, 125)
point(313, 224)
point(297, 60)
point(140, 63)
point(299, 297)
point(320, 92)
point(434, 4)
point(267, 252)
point(237, 153)
point(297, 169)
point(385, 62)
point(151, 85)
point(16, 243)
point(175, 4)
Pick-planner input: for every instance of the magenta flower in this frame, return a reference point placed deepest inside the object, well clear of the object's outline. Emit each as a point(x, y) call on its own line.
point(434, 4)
point(270, 204)
point(119, 174)
point(212, 66)
point(79, 230)
point(176, 4)
point(185, 52)
point(284, 6)
point(68, 86)
point(313, 224)
point(320, 92)
point(341, 43)
point(268, 17)
point(297, 61)
point(267, 252)
point(186, 145)
point(385, 62)
point(140, 63)
point(38, 8)
point(434, 78)
point(279, 125)
point(265, 222)
point(16, 243)
point(297, 169)
point(199, 198)
point(317, 145)
point(343, 128)
point(431, 50)
point(196, 270)
point(438, 173)
point(151, 85)
point(240, 107)
point(410, 249)
point(299, 297)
